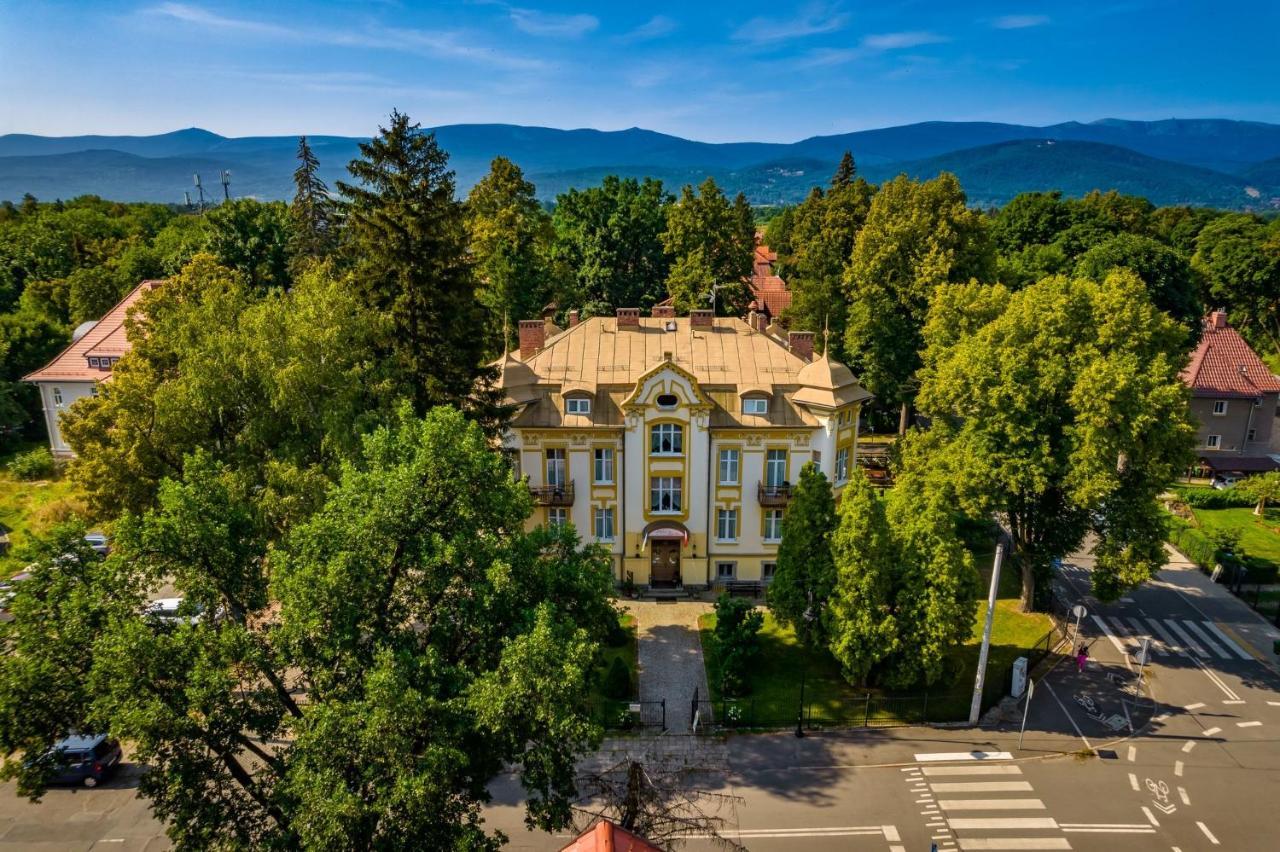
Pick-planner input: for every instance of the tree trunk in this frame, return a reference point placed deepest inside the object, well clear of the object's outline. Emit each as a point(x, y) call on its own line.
point(1262, 503)
point(1028, 598)
point(904, 417)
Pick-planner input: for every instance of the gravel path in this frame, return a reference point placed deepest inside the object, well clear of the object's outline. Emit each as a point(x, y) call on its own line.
point(670, 656)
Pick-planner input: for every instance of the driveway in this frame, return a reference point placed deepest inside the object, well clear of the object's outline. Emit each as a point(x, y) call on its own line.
point(670, 656)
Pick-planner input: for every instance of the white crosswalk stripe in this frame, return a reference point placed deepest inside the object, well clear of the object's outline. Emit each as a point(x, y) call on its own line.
point(1185, 640)
point(1227, 640)
point(1204, 637)
point(986, 822)
point(1172, 636)
point(1165, 637)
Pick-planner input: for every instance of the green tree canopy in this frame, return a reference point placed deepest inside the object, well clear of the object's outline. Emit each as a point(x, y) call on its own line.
point(1063, 414)
point(712, 243)
point(251, 237)
point(805, 574)
point(1240, 256)
point(1171, 282)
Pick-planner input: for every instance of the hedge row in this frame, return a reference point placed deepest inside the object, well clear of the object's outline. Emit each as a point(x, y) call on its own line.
point(1213, 498)
point(1192, 542)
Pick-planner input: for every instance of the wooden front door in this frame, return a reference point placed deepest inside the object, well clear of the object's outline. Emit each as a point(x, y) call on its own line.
point(664, 565)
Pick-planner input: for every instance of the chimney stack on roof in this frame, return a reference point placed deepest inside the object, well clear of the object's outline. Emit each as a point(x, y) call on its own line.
point(702, 318)
point(801, 344)
point(574, 317)
point(533, 335)
point(628, 317)
point(1217, 320)
point(663, 311)
point(762, 322)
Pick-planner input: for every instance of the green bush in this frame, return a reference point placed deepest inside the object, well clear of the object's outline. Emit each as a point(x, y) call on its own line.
point(737, 637)
point(1213, 498)
point(617, 681)
point(618, 635)
point(35, 464)
point(1193, 543)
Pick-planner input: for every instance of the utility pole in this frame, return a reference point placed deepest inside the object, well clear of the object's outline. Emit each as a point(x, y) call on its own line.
point(226, 184)
point(200, 190)
point(187, 196)
point(976, 707)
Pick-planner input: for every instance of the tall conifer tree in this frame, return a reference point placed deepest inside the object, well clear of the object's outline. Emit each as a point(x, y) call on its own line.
point(313, 214)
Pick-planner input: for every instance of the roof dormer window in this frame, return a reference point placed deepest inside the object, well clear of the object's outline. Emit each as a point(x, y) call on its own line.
point(93, 361)
point(577, 405)
point(755, 405)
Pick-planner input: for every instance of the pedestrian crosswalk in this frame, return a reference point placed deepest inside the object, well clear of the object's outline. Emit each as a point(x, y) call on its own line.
point(1169, 636)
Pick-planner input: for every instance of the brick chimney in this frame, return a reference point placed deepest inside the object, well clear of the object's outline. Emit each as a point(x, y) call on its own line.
point(574, 317)
point(663, 311)
point(628, 317)
point(702, 318)
point(762, 322)
point(801, 343)
point(533, 334)
point(1217, 320)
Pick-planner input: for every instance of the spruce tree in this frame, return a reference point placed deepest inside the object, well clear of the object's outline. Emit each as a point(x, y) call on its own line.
point(805, 575)
point(313, 214)
point(845, 172)
point(407, 245)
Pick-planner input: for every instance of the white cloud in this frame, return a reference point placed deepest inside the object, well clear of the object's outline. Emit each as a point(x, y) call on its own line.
point(435, 43)
point(538, 23)
point(655, 27)
point(1019, 22)
point(898, 41)
point(816, 20)
point(870, 45)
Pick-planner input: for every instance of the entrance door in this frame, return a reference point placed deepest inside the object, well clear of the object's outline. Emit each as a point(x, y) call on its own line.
point(664, 566)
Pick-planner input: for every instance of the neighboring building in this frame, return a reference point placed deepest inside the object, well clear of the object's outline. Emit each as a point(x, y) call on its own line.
point(1233, 398)
point(768, 291)
point(605, 836)
point(674, 441)
point(95, 348)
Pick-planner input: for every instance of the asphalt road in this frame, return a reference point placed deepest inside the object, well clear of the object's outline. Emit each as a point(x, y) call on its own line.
point(1199, 771)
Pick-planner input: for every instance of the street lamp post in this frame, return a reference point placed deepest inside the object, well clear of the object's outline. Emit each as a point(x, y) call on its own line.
point(809, 617)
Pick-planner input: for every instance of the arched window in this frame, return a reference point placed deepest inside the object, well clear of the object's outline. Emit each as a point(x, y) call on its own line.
point(666, 439)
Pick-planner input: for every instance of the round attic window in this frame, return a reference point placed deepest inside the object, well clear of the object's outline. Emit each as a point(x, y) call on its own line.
point(668, 400)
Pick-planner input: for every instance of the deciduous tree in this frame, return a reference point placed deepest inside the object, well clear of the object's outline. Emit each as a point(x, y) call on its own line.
point(805, 574)
point(712, 243)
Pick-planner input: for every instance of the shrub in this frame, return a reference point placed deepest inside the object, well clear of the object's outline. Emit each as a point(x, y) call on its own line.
point(35, 464)
point(737, 637)
point(57, 512)
point(617, 682)
point(1213, 498)
point(618, 635)
point(1193, 543)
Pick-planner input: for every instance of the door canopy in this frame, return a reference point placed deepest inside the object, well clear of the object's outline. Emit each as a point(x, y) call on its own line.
point(666, 531)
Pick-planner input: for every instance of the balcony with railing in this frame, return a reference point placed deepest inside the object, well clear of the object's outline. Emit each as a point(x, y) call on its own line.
point(774, 495)
point(553, 495)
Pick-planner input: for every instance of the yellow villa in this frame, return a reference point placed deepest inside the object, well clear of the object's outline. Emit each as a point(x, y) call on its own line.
point(675, 441)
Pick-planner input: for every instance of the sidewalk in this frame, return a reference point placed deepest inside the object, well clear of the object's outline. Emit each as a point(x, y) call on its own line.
point(670, 656)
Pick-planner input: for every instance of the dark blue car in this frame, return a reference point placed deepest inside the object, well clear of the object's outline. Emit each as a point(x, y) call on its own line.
point(86, 759)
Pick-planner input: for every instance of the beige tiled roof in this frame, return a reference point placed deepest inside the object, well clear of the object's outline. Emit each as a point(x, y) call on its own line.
point(106, 338)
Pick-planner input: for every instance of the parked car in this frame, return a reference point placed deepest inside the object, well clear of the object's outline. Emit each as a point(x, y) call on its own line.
point(99, 542)
point(1224, 481)
point(86, 759)
point(171, 611)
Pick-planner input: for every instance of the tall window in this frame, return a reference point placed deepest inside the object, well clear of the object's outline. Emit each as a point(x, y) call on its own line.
point(604, 524)
point(728, 467)
point(842, 464)
point(666, 439)
point(557, 516)
point(775, 468)
point(577, 405)
point(727, 524)
point(555, 467)
point(664, 494)
point(1219, 407)
point(604, 465)
point(1214, 442)
point(773, 525)
point(57, 396)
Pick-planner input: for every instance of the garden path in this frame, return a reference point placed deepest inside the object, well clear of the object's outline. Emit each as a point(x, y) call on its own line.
point(670, 656)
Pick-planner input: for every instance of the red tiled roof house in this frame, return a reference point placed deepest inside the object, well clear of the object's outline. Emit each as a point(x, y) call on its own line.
point(1233, 397)
point(95, 348)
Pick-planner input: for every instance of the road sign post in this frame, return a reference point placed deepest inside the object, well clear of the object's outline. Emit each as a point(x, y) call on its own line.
point(1026, 708)
point(1079, 612)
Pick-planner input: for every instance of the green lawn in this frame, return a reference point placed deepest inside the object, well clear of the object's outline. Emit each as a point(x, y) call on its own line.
point(609, 709)
point(1259, 537)
point(27, 507)
point(775, 694)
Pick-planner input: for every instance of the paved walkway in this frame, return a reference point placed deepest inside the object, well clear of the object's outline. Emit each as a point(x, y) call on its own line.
point(670, 656)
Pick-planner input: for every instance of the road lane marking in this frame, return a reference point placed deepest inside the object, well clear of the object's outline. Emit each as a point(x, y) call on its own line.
point(1188, 745)
point(982, 787)
point(1217, 681)
point(1010, 769)
point(1228, 641)
point(1114, 641)
point(1101, 826)
point(1208, 833)
point(1237, 701)
point(1182, 794)
point(838, 831)
point(1195, 706)
point(1133, 781)
point(1150, 816)
point(1142, 633)
point(1248, 724)
point(1274, 703)
point(1067, 713)
point(1139, 829)
point(890, 833)
point(1003, 822)
point(1014, 843)
point(991, 804)
point(963, 755)
point(1211, 731)
point(1164, 635)
point(1120, 627)
point(1133, 753)
point(1204, 637)
point(1177, 768)
point(1186, 641)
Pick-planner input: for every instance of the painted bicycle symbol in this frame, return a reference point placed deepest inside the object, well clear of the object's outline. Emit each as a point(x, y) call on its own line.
point(1159, 789)
point(1087, 703)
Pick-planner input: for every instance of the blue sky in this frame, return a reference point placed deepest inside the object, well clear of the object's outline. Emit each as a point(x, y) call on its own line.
point(715, 71)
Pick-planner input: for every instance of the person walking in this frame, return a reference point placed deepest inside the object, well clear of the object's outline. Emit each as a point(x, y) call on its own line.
point(1082, 657)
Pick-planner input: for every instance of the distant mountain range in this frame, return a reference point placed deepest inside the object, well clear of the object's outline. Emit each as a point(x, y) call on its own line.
point(1232, 164)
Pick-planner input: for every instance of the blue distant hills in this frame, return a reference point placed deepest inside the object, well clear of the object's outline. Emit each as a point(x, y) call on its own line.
point(1216, 162)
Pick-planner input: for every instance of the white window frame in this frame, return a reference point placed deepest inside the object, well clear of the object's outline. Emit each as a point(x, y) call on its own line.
point(604, 523)
point(730, 458)
point(577, 405)
point(93, 361)
point(1219, 408)
point(602, 466)
point(57, 397)
point(842, 464)
point(671, 487)
point(726, 524)
point(562, 467)
point(732, 573)
point(673, 433)
point(758, 405)
point(773, 518)
point(557, 516)
point(1214, 442)
point(775, 470)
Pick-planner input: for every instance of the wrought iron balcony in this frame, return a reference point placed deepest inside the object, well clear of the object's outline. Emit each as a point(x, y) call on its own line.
point(774, 495)
point(553, 495)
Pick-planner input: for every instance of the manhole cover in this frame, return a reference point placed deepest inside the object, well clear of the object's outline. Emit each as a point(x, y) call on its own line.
point(1108, 754)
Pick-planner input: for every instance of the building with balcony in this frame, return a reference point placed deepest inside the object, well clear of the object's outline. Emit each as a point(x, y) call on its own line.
point(675, 441)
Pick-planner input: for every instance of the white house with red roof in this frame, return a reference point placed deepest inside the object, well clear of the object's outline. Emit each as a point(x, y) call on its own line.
point(76, 372)
point(1233, 397)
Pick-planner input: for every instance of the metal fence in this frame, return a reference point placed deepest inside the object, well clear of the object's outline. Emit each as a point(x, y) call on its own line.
point(630, 715)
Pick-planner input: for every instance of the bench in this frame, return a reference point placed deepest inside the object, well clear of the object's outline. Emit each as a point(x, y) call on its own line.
point(754, 588)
